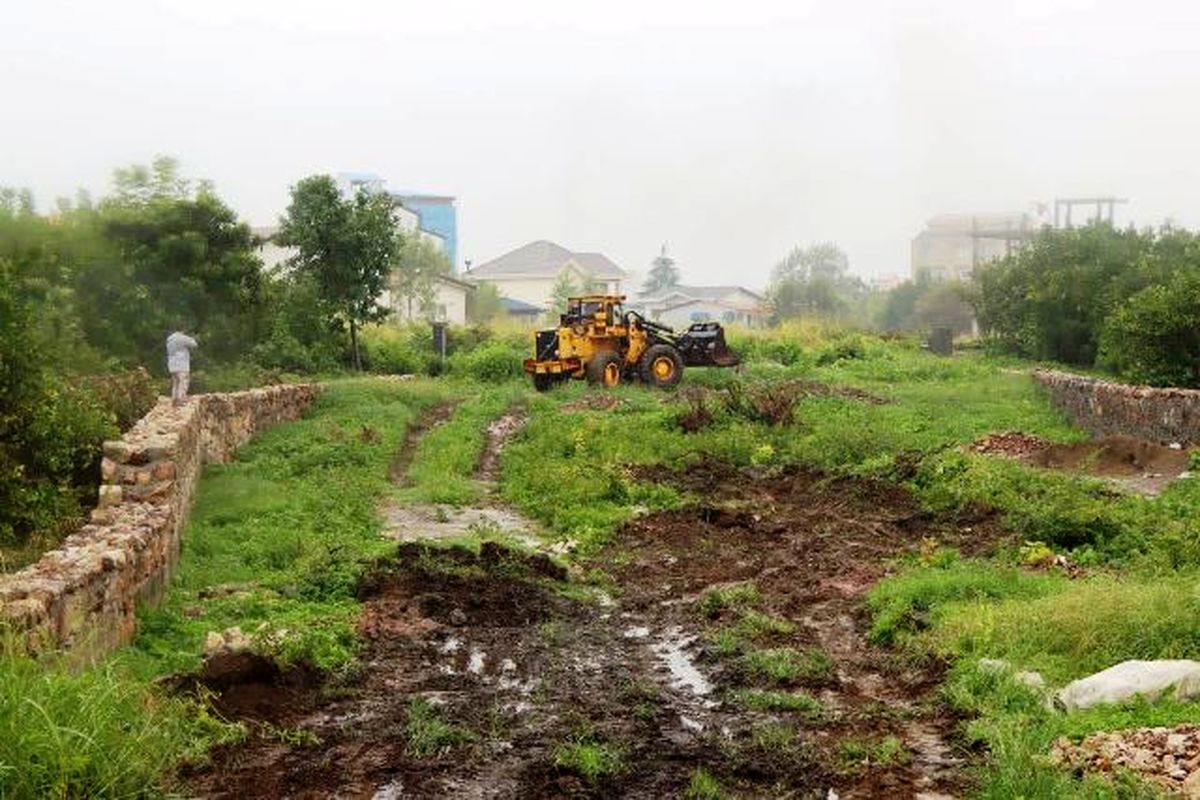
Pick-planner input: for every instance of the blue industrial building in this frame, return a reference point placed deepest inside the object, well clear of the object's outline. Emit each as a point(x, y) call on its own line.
point(438, 215)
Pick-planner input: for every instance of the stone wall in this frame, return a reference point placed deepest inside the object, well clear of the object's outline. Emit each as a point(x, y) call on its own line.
point(83, 596)
point(1103, 408)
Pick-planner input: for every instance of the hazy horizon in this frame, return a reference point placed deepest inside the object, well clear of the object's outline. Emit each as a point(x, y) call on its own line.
point(730, 133)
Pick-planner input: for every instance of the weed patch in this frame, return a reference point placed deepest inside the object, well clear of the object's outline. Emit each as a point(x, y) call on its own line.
point(588, 756)
point(758, 700)
point(428, 734)
point(784, 665)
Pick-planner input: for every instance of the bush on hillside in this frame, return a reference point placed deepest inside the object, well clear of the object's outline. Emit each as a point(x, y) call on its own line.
point(495, 361)
point(1154, 336)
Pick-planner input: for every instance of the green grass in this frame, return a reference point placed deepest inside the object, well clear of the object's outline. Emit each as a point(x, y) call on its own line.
point(443, 467)
point(755, 625)
point(807, 706)
point(428, 735)
point(588, 756)
point(94, 733)
point(772, 737)
point(291, 522)
point(703, 785)
point(854, 754)
point(733, 596)
point(784, 665)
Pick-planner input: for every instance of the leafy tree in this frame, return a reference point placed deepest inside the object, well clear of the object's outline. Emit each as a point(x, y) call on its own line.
point(484, 304)
point(166, 256)
point(1154, 336)
point(813, 280)
point(663, 273)
point(923, 304)
point(1049, 300)
point(418, 265)
point(565, 287)
point(347, 245)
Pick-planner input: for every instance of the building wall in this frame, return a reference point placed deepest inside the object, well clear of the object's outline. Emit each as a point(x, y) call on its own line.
point(682, 316)
point(449, 304)
point(440, 216)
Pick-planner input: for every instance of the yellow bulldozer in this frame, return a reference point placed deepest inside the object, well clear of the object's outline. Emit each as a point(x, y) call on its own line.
point(598, 340)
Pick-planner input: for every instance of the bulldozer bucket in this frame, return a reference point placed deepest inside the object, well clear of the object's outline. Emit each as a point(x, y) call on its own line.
point(703, 345)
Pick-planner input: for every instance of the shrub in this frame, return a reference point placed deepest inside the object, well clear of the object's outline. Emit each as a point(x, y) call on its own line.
point(769, 403)
point(1154, 336)
point(491, 362)
point(394, 350)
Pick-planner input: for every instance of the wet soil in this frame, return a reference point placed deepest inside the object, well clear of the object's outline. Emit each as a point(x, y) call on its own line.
point(528, 658)
point(1126, 461)
point(438, 415)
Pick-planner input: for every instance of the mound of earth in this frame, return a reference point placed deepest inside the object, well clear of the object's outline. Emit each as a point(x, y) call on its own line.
point(1135, 463)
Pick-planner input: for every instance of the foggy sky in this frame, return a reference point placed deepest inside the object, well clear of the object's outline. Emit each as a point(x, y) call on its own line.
point(731, 130)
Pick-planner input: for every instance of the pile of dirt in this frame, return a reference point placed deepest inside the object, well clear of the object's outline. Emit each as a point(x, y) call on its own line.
point(1012, 444)
point(1168, 758)
point(1127, 461)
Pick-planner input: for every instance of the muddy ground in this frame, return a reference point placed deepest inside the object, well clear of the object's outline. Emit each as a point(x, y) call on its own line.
point(624, 652)
point(1127, 462)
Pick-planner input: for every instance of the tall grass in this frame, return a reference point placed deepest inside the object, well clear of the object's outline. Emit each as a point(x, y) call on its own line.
point(95, 733)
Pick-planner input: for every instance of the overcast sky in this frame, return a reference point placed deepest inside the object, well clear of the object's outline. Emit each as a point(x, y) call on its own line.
point(732, 130)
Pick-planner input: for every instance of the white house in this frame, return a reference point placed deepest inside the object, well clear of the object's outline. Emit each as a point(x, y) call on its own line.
point(529, 273)
point(449, 303)
point(680, 306)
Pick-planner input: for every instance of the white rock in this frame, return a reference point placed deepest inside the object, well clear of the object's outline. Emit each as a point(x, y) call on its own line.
point(1150, 679)
point(213, 642)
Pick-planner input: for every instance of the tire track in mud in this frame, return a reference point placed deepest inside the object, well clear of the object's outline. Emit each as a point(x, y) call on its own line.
point(495, 643)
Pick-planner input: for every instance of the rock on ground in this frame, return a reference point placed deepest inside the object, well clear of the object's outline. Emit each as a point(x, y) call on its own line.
point(1168, 758)
point(1117, 684)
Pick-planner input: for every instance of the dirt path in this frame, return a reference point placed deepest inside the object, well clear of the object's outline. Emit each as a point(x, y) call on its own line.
point(503, 645)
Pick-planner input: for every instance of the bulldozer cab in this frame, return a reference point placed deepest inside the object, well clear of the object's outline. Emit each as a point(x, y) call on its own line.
point(602, 309)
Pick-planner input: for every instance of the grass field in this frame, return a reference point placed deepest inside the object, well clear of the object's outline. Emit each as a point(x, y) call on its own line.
point(281, 537)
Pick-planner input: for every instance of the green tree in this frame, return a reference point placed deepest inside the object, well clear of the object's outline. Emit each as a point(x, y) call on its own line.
point(484, 304)
point(166, 255)
point(565, 287)
point(813, 280)
point(1154, 336)
point(418, 264)
point(348, 246)
point(663, 273)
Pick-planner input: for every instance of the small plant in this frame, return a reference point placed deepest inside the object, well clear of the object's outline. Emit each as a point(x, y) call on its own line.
point(735, 595)
point(756, 625)
point(766, 403)
point(727, 643)
point(704, 786)
point(787, 665)
point(771, 738)
point(697, 416)
point(758, 700)
point(1037, 554)
point(586, 755)
point(855, 754)
point(428, 734)
point(294, 737)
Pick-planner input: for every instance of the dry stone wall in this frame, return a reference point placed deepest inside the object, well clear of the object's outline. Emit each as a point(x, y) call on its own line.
point(83, 596)
point(1104, 408)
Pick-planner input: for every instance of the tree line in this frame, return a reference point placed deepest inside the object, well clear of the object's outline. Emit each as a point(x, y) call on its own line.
point(95, 286)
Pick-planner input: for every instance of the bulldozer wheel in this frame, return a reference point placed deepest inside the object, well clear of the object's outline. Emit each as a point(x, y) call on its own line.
point(605, 369)
point(661, 366)
point(543, 381)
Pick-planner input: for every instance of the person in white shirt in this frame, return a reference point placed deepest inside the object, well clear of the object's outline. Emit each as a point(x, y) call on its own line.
point(179, 364)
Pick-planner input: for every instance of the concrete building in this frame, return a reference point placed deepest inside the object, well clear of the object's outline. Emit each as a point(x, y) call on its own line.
point(680, 306)
point(438, 215)
point(953, 246)
point(530, 273)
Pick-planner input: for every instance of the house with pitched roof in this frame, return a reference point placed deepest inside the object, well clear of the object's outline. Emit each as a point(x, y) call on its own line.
point(529, 273)
point(679, 306)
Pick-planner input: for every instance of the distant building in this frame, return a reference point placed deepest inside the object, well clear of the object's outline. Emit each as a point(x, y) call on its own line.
point(438, 215)
point(449, 303)
point(953, 246)
point(530, 273)
point(680, 306)
point(885, 283)
point(520, 311)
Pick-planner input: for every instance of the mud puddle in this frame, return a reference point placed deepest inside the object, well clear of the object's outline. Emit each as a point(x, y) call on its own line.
point(1127, 462)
